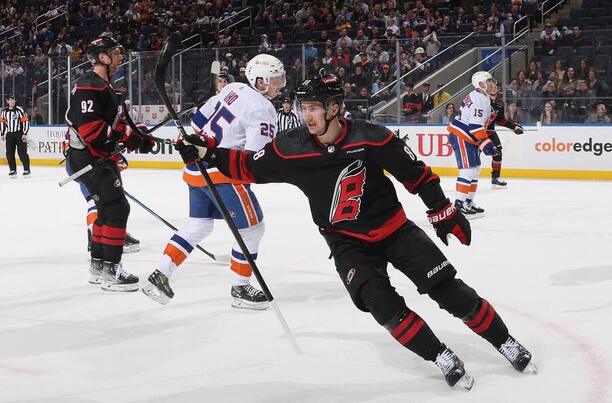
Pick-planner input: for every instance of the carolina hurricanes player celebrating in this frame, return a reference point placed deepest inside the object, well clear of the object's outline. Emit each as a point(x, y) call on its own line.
point(241, 116)
point(340, 166)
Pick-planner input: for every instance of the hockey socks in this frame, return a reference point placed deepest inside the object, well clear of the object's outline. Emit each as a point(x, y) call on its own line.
point(484, 321)
point(107, 242)
point(413, 333)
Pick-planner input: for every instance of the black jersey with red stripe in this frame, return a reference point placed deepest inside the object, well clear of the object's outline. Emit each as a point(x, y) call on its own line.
point(93, 112)
point(345, 182)
point(498, 109)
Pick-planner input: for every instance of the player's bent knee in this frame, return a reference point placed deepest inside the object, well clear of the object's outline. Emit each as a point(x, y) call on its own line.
point(254, 233)
point(380, 298)
point(196, 229)
point(117, 212)
point(454, 296)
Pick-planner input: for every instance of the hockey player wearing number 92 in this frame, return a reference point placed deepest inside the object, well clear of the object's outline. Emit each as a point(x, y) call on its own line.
point(339, 165)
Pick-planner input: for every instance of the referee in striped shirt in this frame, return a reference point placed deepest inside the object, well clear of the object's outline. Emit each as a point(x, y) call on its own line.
point(286, 118)
point(14, 126)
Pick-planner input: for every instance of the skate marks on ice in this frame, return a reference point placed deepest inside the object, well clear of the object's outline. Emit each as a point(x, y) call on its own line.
point(582, 276)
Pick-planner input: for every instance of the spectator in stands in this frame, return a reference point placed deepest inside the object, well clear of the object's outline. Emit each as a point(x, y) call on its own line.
point(537, 85)
point(519, 85)
point(310, 51)
point(344, 41)
point(600, 116)
point(432, 44)
point(532, 71)
point(411, 102)
point(575, 38)
point(299, 26)
point(242, 78)
point(549, 115)
point(359, 78)
point(421, 62)
point(548, 39)
point(558, 72)
point(279, 42)
point(386, 76)
point(441, 96)
point(294, 75)
point(426, 98)
point(264, 45)
point(583, 101)
point(302, 13)
point(569, 84)
point(449, 114)
point(348, 91)
point(512, 112)
point(36, 117)
point(582, 72)
point(342, 75)
point(598, 87)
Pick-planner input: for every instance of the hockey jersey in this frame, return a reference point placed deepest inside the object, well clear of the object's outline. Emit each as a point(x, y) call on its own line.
point(345, 183)
point(475, 115)
point(92, 114)
point(238, 117)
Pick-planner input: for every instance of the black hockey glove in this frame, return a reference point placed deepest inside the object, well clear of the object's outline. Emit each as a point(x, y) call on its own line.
point(487, 147)
point(518, 129)
point(446, 220)
point(147, 145)
point(194, 148)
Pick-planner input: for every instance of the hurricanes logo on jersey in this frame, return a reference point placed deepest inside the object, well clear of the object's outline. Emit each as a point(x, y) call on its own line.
point(346, 202)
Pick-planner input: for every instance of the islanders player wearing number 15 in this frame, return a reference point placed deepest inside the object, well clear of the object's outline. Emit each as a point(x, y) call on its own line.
point(468, 136)
point(241, 117)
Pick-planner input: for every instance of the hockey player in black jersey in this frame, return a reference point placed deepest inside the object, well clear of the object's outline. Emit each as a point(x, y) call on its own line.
point(498, 109)
point(340, 166)
point(95, 130)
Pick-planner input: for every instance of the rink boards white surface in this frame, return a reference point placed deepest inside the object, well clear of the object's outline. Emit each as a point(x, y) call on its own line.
point(541, 256)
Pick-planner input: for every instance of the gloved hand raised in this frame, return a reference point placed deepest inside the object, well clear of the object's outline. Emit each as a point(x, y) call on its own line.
point(446, 220)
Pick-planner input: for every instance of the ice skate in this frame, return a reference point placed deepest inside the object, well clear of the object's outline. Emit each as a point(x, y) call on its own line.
point(158, 288)
point(130, 244)
point(519, 356)
point(114, 278)
point(498, 183)
point(95, 271)
point(453, 370)
point(478, 211)
point(465, 209)
point(26, 174)
point(248, 297)
point(13, 174)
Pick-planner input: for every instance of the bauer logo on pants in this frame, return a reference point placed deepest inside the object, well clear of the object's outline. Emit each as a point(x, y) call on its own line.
point(350, 275)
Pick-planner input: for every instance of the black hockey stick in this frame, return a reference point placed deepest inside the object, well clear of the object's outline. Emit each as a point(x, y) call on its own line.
point(217, 258)
point(160, 79)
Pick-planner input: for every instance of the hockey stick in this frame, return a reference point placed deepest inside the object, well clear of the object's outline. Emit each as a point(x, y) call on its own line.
point(537, 129)
point(160, 78)
point(217, 258)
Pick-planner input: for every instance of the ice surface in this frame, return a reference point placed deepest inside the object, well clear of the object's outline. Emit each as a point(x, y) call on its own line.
point(541, 256)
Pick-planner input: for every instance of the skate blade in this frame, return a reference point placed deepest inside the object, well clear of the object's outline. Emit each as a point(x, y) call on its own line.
point(95, 279)
point(530, 369)
point(155, 294)
point(499, 187)
point(131, 248)
point(119, 287)
point(256, 306)
point(466, 382)
point(474, 216)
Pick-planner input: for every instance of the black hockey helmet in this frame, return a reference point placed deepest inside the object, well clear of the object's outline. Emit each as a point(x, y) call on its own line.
point(102, 44)
point(321, 87)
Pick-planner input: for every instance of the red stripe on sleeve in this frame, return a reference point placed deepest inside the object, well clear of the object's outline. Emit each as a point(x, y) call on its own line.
point(245, 175)
point(411, 186)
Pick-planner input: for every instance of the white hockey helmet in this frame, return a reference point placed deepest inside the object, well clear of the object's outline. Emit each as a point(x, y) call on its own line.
point(481, 77)
point(265, 67)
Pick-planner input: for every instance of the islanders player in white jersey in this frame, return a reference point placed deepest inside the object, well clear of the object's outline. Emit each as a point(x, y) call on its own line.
point(468, 136)
point(240, 116)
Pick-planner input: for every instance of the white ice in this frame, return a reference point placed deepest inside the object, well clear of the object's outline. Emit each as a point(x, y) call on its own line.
point(541, 256)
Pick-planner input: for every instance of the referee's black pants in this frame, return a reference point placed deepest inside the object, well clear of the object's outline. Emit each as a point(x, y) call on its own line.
point(14, 142)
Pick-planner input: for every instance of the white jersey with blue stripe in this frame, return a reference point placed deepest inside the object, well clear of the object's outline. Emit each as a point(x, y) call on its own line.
point(238, 117)
point(474, 117)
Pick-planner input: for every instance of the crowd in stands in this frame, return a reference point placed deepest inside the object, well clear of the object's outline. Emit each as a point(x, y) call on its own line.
point(354, 39)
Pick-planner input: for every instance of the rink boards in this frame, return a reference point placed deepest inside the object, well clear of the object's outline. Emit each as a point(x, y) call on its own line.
point(554, 152)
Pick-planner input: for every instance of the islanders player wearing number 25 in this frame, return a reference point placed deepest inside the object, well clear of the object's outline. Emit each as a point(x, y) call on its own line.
point(340, 166)
point(240, 116)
